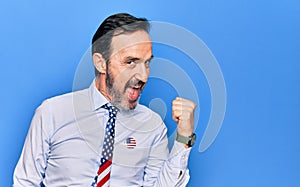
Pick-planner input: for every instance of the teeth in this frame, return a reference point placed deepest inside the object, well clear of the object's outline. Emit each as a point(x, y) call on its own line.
point(137, 86)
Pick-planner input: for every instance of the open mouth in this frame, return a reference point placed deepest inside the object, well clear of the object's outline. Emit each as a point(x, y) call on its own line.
point(137, 86)
point(135, 91)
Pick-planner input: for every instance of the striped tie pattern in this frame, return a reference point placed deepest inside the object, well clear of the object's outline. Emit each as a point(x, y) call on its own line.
point(103, 174)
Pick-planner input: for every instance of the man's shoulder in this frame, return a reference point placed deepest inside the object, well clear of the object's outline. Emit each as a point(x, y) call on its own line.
point(67, 97)
point(64, 102)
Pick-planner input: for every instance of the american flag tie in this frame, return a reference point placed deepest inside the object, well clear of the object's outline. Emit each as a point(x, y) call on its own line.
point(103, 174)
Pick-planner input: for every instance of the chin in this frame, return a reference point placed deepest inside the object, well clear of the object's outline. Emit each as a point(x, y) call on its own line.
point(130, 106)
point(126, 106)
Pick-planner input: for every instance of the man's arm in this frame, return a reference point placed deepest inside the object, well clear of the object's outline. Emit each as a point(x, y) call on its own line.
point(164, 169)
point(31, 166)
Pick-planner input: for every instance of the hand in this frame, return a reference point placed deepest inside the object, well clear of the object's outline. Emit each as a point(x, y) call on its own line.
point(183, 114)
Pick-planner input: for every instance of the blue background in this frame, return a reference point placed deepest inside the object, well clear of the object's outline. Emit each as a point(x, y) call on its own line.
point(255, 42)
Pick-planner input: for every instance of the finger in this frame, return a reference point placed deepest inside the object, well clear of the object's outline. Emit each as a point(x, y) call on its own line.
point(183, 108)
point(176, 112)
point(181, 99)
point(179, 108)
point(180, 113)
point(184, 102)
point(176, 115)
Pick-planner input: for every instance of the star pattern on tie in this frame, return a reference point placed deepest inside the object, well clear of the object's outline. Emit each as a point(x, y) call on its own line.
point(103, 173)
point(108, 144)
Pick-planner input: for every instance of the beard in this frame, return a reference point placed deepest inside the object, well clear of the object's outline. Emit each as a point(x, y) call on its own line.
point(118, 97)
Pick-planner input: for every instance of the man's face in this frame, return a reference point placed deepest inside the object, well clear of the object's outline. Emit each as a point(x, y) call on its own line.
point(128, 69)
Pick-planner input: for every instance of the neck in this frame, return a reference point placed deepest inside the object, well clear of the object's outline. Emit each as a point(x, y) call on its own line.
point(101, 86)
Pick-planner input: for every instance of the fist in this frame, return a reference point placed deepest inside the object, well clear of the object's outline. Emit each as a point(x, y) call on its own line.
point(183, 114)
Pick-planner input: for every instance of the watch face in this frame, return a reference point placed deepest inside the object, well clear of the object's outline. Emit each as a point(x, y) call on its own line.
point(192, 140)
point(189, 141)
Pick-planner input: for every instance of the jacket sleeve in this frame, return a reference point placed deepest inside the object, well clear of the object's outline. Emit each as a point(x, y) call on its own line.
point(30, 169)
point(164, 168)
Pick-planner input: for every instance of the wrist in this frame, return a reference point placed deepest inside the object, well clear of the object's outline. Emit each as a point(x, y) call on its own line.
point(189, 140)
point(185, 131)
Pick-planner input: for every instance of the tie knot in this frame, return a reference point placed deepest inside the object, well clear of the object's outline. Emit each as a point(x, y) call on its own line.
point(111, 109)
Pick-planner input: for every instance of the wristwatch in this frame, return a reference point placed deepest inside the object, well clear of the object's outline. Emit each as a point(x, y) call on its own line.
point(189, 141)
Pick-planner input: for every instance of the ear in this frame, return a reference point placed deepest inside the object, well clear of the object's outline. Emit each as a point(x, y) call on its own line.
point(99, 62)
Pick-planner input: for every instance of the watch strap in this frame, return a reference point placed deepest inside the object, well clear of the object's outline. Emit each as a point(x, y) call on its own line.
point(189, 141)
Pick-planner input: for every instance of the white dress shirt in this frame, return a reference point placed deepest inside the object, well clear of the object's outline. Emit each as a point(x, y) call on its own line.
point(64, 143)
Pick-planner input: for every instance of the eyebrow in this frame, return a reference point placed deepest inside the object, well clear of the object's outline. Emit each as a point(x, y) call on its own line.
point(151, 58)
point(136, 59)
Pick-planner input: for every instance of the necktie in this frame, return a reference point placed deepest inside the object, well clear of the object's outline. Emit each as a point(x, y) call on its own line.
point(103, 174)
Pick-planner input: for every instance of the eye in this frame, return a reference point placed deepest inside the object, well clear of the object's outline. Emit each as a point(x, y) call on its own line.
point(130, 63)
point(147, 63)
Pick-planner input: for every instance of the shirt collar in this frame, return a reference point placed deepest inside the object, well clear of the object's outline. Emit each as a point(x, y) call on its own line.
point(98, 99)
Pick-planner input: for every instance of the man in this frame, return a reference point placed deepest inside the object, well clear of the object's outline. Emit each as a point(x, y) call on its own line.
point(101, 136)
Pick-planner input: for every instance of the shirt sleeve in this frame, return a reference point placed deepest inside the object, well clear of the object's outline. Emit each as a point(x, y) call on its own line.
point(30, 169)
point(167, 169)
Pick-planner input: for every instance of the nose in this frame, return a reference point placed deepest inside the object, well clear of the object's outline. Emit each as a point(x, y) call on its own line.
point(142, 72)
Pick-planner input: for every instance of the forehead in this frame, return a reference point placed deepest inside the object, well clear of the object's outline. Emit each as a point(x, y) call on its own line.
point(136, 44)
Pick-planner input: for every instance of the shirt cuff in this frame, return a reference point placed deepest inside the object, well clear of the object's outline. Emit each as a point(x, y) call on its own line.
point(179, 155)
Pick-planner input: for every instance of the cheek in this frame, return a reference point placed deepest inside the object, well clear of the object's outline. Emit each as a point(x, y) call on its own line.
point(117, 74)
point(124, 75)
point(121, 80)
